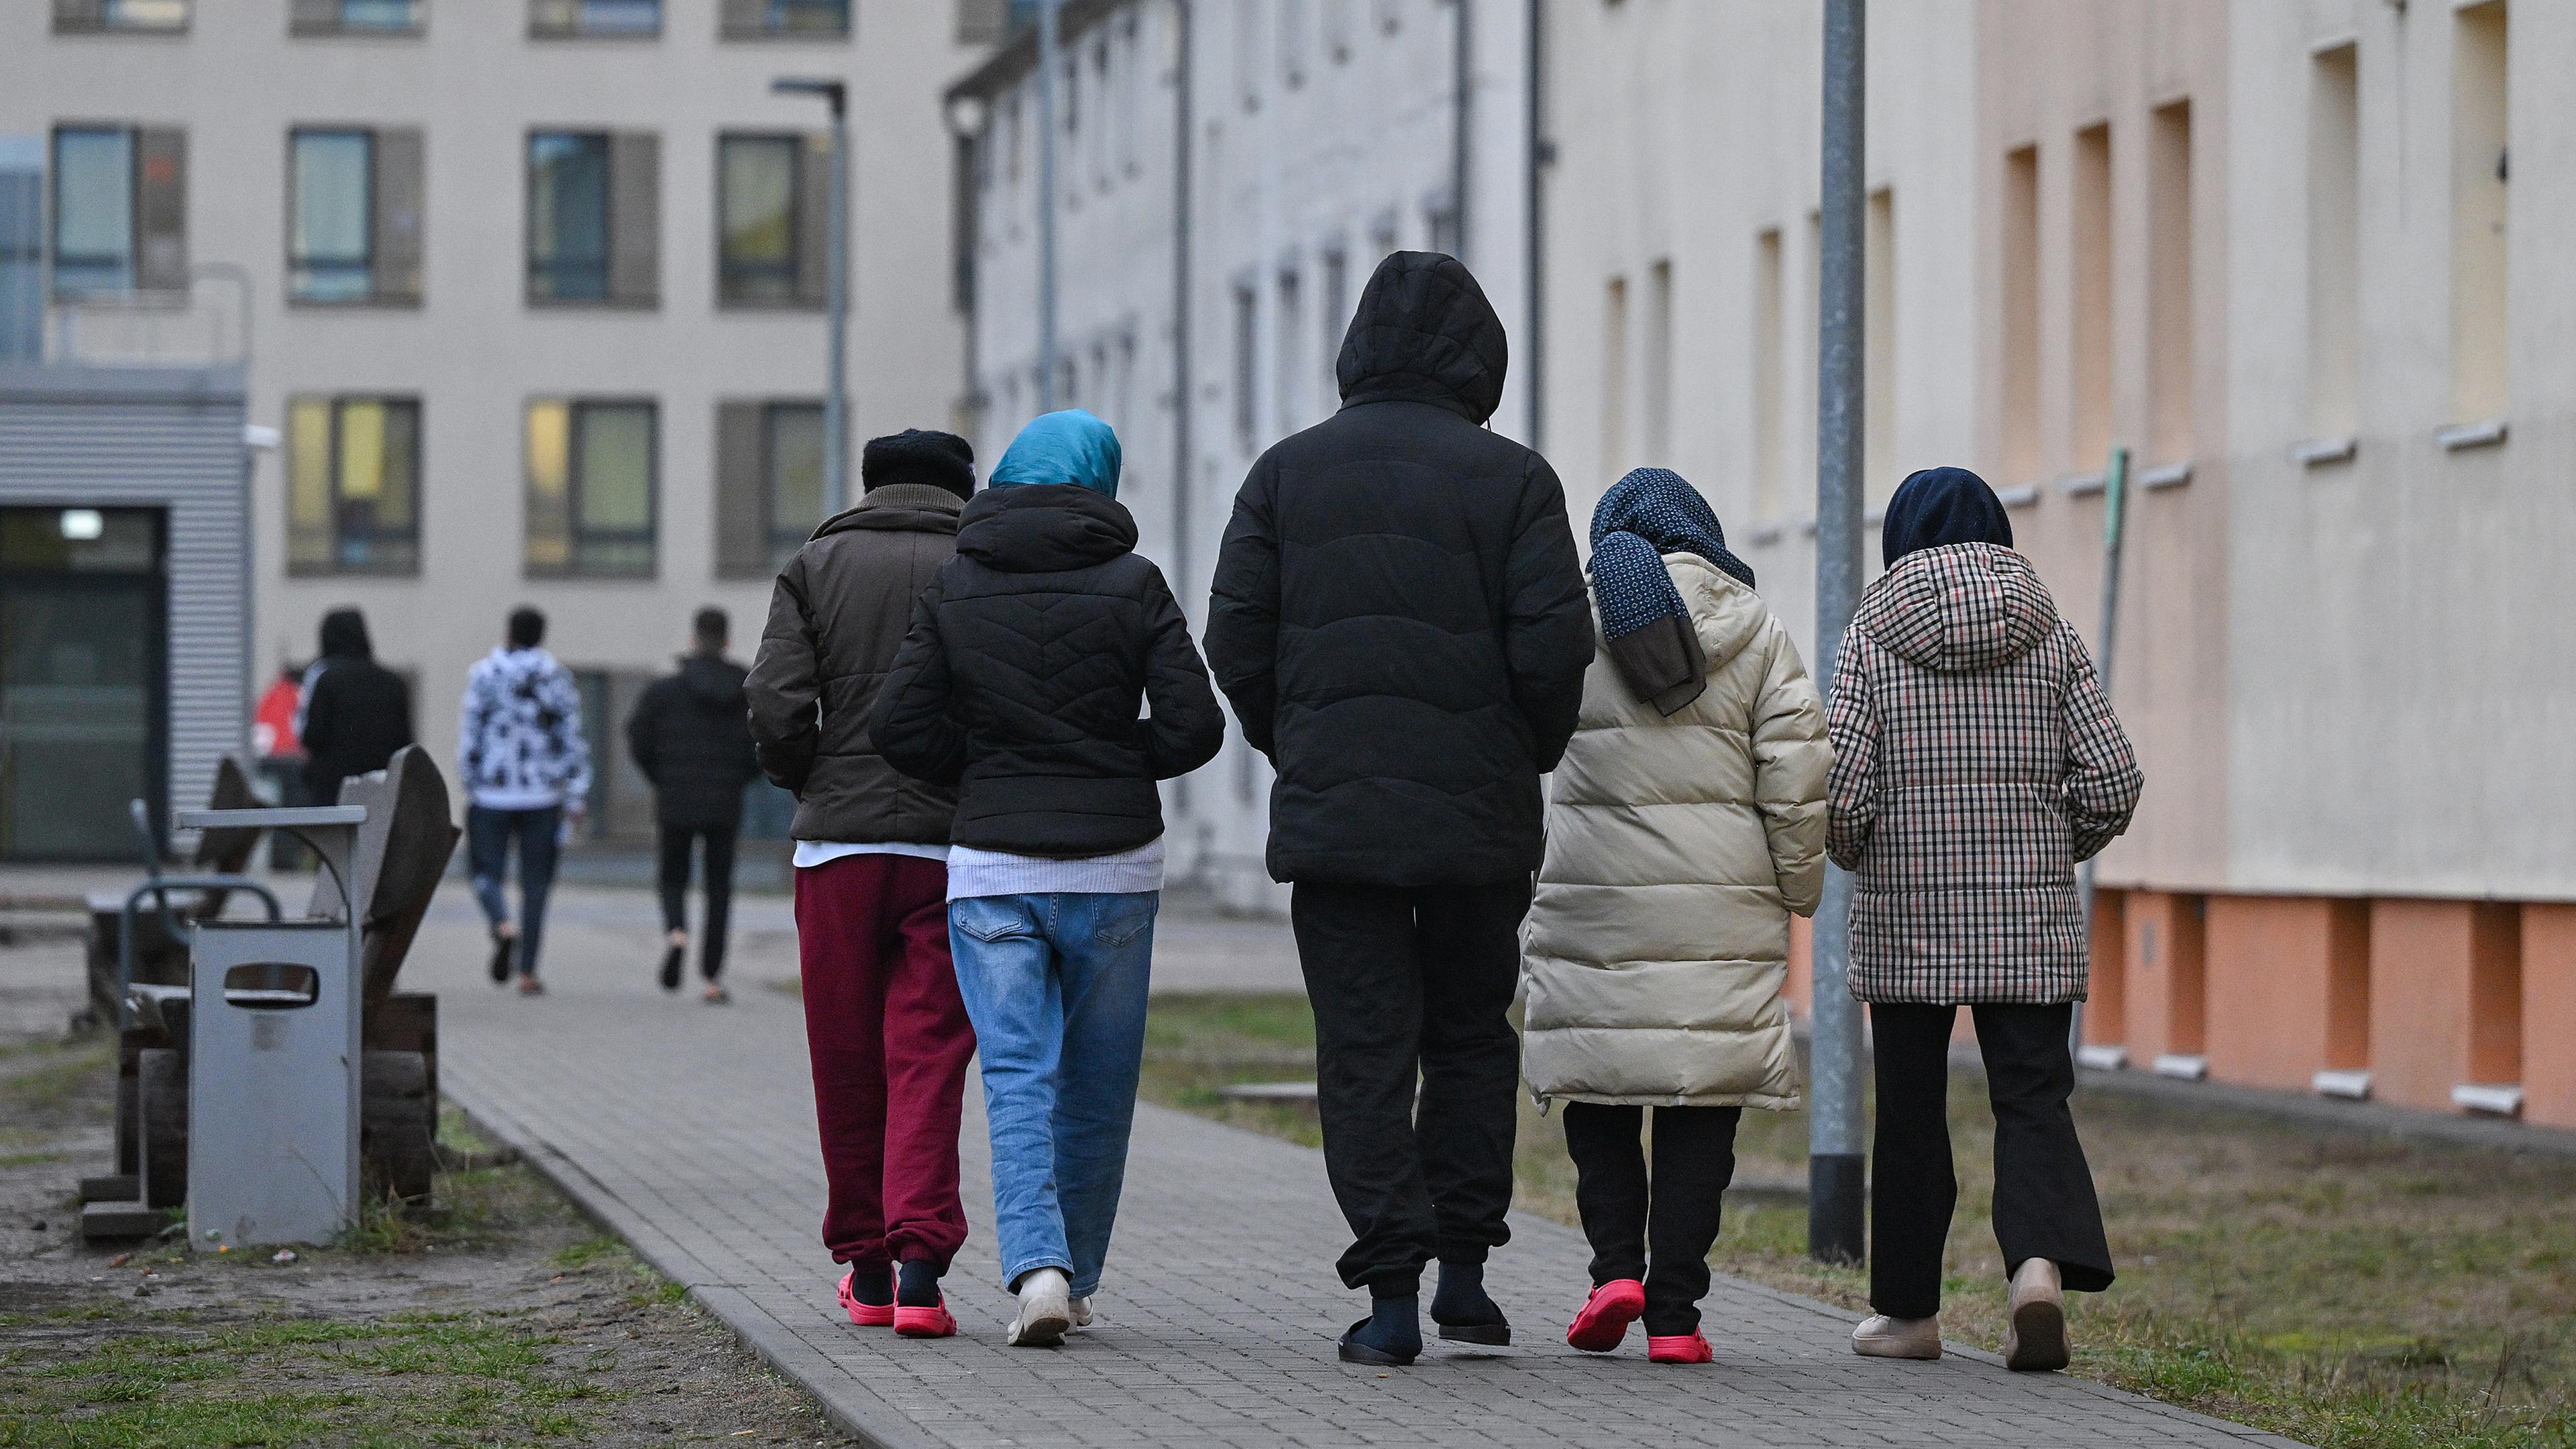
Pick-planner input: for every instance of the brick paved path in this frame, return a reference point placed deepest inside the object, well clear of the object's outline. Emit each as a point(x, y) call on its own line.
point(690, 1131)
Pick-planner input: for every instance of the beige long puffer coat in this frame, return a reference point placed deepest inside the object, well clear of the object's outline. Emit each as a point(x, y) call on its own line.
point(1676, 850)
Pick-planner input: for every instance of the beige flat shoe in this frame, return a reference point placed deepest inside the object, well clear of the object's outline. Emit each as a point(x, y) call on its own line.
point(1880, 1336)
point(2036, 1340)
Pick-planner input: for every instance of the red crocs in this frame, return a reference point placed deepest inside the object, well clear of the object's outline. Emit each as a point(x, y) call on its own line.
point(865, 1315)
point(1606, 1315)
point(932, 1322)
point(1691, 1347)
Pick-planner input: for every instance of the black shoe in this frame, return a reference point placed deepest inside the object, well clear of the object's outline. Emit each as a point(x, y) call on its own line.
point(1355, 1351)
point(1491, 1335)
point(671, 959)
point(501, 954)
point(1462, 1310)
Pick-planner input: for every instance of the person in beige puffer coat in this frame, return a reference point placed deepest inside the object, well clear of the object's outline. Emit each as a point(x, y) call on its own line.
point(1685, 825)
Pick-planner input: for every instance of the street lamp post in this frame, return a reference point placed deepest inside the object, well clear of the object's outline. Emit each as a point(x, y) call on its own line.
point(836, 290)
point(1046, 203)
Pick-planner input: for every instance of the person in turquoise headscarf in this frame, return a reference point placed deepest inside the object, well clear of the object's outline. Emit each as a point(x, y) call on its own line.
point(1050, 676)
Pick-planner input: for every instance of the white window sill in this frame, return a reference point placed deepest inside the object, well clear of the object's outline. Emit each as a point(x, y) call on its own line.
point(2183, 1068)
point(2470, 435)
point(2078, 485)
point(1763, 535)
point(2501, 1100)
point(2022, 497)
point(2351, 1086)
point(2171, 475)
point(2318, 451)
point(2101, 1058)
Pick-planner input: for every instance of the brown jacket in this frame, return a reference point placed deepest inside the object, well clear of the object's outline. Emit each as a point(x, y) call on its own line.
point(836, 617)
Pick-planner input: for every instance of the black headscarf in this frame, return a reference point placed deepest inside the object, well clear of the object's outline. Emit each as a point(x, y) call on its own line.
point(1942, 505)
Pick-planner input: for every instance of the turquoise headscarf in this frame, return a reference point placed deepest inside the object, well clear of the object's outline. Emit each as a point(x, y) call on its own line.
point(1067, 447)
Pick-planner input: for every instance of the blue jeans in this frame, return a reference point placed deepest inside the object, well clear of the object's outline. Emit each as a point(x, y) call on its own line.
point(1055, 985)
point(488, 834)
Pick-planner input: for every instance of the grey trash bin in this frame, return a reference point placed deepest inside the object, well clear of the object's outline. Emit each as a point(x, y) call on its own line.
point(273, 1083)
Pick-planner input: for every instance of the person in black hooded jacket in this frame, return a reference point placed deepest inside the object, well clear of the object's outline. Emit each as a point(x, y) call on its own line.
point(690, 734)
point(1399, 619)
point(356, 712)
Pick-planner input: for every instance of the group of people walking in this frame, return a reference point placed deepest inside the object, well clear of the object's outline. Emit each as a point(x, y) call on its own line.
point(1498, 774)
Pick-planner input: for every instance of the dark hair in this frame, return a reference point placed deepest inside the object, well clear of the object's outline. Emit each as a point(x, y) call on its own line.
point(527, 628)
point(711, 627)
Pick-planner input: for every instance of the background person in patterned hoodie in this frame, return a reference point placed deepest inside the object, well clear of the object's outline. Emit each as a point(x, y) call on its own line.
point(526, 768)
point(1976, 760)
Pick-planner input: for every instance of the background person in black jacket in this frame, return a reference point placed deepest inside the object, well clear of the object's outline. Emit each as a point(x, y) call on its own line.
point(1399, 620)
point(691, 736)
point(1030, 657)
point(356, 712)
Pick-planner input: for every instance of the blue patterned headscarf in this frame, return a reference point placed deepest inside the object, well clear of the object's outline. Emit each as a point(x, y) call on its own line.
point(1650, 513)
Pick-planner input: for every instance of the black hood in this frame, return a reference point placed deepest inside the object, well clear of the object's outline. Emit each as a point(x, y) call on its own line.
point(898, 508)
point(714, 681)
point(1425, 333)
point(344, 635)
point(1040, 528)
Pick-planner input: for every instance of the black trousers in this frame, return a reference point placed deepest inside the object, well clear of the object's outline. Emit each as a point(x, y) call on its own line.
point(1407, 984)
point(1670, 1223)
point(2044, 1202)
point(674, 880)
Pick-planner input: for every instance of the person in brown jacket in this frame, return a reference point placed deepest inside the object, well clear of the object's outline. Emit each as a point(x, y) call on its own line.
point(1976, 761)
point(884, 1022)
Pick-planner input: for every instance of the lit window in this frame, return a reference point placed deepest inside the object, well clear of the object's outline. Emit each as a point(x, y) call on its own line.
point(556, 19)
point(591, 470)
point(771, 212)
point(352, 485)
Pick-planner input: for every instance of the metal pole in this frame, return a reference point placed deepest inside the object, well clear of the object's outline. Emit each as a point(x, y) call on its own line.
point(836, 304)
point(2115, 509)
point(1184, 402)
point(1046, 203)
point(1835, 1192)
point(1539, 155)
point(1462, 127)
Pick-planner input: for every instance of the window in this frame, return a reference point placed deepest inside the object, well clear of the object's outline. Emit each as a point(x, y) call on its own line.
point(769, 483)
point(2169, 288)
point(564, 19)
point(594, 213)
point(1337, 30)
point(1246, 367)
point(22, 249)
point(762, 19)
point(1247, 52)
point(2334, 252)
point(2021, 379)
point(1658, 398)
point(354, 17)
point(1289, 374)
point(1103, 113)
point(353, 223)
point(352, 485)
point(2479, 320)
point(1440, 222)
point(591, 485)
point(1336, 314)
point(1878, 349)
point(1390, 15)
point(1292, 43)
point(2090, 345)
point(773, 207)
point(1770, 361)
point(120, 210)
point(74, 17)
point(1614, 378)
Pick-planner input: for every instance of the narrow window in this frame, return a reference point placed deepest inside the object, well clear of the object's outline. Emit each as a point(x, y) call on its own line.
point(2089, 351)
point(2479, 169)
point(759, 209)
point(762, 19)
point(2169, 284)
point(94, 237)
point(1292, 43)
point(1769, 469)
point(568, 216)
point(330, 252)
point(1247, 52)
point(591, 473)
point(353, 485)
point(1878, 348)
point(792, 462)
point(560, 19)
point(22, 250)
point(353, 17)
point(2334, 251)
point(1246, 405)
point(1658, 398)
point(1337, 30)
point(1614, 379)
point(1336, 315)
point(2022, 454)
point(77, 17)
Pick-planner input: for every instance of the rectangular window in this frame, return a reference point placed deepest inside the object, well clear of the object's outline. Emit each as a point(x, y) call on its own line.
point(1247, 52)
point(1247, 409)
point(94, 240)
point(566, 19)
point(78, 17)
point(352, 485)
point(2022, 454)
point(594, 217)
point(2089, 350)
point(354, 17)
point(1336, 315)
point(1878, 348)
point(1658, 392)
point(2479, 319)
point(2334, 237)
point(763, 19)
point(1770, 363)
point(772, 209)
point(1288, 335)
point(592, 472)
point(2169, 284)
point(22, 249)
point(1292, 43)
point(769, 483)
point(1614, 379)
point(330, 241)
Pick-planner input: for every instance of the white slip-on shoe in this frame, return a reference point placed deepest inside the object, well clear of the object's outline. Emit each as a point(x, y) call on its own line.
point(1880, 1336)
point(2036, 1340)
point(1045, 1310)
point(1078, 1311)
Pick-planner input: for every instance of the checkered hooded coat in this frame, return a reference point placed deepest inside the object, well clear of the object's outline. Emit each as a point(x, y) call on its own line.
point(1976, 760)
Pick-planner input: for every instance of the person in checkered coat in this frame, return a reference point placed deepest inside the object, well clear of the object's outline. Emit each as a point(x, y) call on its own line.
point(1976, 761)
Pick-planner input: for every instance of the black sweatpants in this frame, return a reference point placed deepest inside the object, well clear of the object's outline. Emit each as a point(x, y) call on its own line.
point(2044, 1202)
point(1408, 982)
point(674, 880)
point(1670, 1222)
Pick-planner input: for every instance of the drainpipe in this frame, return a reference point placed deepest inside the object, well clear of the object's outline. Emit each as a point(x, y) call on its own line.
point(1046, 200)
point(1540, 154)
point(1462, 87)
point(1184, 467)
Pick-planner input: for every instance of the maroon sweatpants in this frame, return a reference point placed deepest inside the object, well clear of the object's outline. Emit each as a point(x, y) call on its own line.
point(890, 1041)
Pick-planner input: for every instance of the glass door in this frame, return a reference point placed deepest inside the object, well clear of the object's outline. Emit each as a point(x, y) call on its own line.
point(82, 670)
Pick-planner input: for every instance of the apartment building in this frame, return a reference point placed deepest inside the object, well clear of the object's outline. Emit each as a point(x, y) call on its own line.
point(529, 294)
point(1228, 176)
point(2277, 253)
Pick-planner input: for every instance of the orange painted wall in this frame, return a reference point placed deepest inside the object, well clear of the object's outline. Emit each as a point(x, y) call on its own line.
point(2165, 987)
point(2106, 1010)
point(2549, 1014)
point(2445, 998)
point(2288, 988)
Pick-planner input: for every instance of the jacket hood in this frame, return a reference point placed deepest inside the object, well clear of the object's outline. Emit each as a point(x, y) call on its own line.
point(1040, 528)
point(1958, 607)
point(713, 681)
point(1070, 446)
point(1425, 333)
point(898, 508)
point(344, 635)
point(1724, 611)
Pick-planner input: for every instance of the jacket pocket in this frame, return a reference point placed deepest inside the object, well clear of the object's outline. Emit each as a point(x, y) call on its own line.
point(994, 919)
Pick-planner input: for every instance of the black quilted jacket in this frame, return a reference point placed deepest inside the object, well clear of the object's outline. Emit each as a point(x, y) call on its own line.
point(1024, 680)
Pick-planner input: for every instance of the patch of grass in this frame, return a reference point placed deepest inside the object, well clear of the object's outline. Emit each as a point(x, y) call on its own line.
point(588, 1251)
point(55, 1074)
point(2344, 1290)
point(29, 1159)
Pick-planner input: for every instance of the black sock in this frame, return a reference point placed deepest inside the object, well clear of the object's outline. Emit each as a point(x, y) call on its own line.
point(1394, 1326)
point(1461, 1301)
point(872, 1286)
point(920, 1288)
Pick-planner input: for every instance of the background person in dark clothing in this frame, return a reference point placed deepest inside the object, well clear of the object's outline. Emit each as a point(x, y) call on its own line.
point(1400, 622)
point(691, 736)
point(356, 712)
